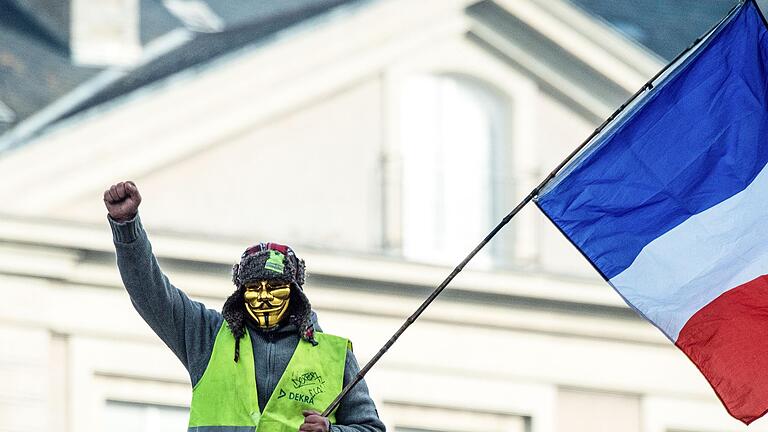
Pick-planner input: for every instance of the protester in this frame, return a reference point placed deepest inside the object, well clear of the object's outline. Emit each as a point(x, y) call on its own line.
point(263, 361)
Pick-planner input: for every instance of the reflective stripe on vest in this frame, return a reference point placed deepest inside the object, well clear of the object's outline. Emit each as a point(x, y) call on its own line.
point(226, 400)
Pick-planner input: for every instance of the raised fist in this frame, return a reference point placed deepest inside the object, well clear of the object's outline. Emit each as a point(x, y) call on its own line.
point(122, 201)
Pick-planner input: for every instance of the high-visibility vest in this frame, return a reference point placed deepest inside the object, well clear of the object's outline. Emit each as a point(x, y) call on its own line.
point(226, 400)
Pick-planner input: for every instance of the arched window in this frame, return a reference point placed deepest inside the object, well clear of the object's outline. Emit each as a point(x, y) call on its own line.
point(452, 131)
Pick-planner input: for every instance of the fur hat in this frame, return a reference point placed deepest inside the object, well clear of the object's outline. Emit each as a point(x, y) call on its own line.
point(273, 262)
point(269, 261)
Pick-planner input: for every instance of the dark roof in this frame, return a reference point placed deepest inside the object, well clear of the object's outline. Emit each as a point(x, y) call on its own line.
point(205, 47)
point(50, 17)
point(34, 65)
point(238, 12)
point(35, 59)
point(665, 27)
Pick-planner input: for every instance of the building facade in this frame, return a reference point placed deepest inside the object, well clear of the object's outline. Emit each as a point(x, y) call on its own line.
point(382, 140)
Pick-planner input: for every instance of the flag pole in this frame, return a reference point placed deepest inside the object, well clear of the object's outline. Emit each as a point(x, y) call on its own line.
point(411, 319)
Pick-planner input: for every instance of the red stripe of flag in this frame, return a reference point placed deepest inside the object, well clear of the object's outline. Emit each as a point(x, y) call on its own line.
point(728, 341)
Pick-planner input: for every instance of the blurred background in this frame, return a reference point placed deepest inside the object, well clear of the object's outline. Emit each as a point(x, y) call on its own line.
point(382, 139)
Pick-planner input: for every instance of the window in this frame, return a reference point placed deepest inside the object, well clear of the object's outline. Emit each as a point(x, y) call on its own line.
point(139, 417)
point(451, 136)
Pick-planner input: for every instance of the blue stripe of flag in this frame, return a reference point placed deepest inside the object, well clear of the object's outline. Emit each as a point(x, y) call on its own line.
point(698, 138)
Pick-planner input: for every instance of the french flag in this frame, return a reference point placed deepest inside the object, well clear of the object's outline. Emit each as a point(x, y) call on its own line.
point(670, 205)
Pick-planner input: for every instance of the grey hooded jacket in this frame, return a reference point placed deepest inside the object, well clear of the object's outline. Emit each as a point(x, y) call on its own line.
point(189, 329)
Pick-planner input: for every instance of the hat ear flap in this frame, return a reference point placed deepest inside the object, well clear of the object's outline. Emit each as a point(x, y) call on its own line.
point(300, 272)
point(235, 271)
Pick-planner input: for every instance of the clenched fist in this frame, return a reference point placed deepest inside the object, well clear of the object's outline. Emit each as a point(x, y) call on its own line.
point(122, 201)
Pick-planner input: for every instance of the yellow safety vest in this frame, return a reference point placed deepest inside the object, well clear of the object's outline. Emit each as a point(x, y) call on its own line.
point(225, 399)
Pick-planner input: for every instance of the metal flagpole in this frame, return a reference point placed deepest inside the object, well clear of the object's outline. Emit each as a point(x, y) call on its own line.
point(411, 319)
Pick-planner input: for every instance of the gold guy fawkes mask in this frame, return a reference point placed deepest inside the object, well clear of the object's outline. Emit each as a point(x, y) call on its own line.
point(267, 302)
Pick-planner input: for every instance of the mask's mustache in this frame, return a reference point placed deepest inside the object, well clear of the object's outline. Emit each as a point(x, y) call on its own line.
point(265, 305)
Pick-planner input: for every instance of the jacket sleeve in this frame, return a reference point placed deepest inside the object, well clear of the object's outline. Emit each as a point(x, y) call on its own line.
point(356, 412)
point(187, 327)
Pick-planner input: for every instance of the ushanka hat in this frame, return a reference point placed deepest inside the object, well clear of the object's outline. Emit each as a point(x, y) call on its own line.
point(270, 262)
